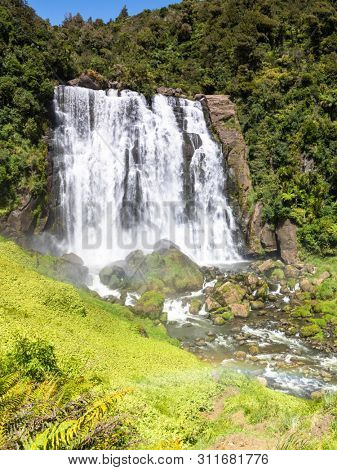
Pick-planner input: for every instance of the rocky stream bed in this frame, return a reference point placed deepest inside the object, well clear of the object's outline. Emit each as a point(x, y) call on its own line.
point(265, 319)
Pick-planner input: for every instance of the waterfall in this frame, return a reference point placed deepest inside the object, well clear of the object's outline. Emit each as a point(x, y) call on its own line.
point(131, 173)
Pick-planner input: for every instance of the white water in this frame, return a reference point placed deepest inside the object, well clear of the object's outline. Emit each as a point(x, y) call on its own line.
point(123, 177)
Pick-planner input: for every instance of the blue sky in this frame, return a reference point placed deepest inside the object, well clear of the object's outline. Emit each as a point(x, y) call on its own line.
point(105, 9)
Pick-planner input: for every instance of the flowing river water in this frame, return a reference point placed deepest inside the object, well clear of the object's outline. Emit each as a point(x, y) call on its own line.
point(126, 169)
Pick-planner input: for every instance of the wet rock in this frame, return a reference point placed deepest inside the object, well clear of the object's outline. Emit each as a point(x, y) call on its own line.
point(177, 92)
point(256, 305)
point(306, 285)
point(218, 320)
point(262, 292)
point(240, 310)
point(163, 245)
point(211, 305)
point(277, 275)
point(254, 349)
point(252, 281)
point(195, 306)
point(240, 355)
point(267, 265)
point(310, 330)
point(229, 293)
point(167, 270)
point(221, 109)
point(291, 271)
point(150, 305)
point(286, 234)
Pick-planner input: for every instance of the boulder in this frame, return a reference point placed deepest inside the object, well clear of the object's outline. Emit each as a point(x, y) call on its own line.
point(323, 277)
point(253, 349)
point(286, 233)
point(150, 305)
point(195, 306)
point(91, 80)
point(260, 236)
point(218, 320)
point(291, 272)
point(229, 293)
point(306, 285)
point(177, 92)
point(240, 355)
point(257, 305)
point(167, 270)
point(267, 266)
point(240, 310)
point(73, 259)
point(212, 305)
point(74, 272)
point(163, 245)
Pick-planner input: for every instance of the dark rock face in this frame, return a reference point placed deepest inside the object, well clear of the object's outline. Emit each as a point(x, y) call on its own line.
point(224, 120)
point(178, 92)
point(91, 80)
point(260, 236)
point(286, 237)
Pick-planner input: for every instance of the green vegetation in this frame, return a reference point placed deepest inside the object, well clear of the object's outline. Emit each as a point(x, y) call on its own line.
point(77, 373)
point(277, 59)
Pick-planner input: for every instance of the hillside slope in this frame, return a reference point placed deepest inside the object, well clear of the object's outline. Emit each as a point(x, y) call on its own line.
point(166, 397)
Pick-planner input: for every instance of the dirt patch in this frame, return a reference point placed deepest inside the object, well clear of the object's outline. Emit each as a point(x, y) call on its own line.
point(321, 426)
point(242, 441)
point(219, 403)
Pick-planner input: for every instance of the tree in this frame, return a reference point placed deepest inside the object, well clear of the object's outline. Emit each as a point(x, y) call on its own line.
point(123, 14)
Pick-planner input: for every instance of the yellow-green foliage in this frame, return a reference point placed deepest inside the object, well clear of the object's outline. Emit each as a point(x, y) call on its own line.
point(164, 394)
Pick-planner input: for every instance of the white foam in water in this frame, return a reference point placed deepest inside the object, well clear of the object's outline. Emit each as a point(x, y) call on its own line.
point(176, 310)
point(131, 299)
point(121, 167)
point(295, 384)
point(102, 290)
point(201, 291)
point(274, 337)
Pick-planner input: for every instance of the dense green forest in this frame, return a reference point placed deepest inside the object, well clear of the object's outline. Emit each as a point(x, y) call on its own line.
point(276, 58)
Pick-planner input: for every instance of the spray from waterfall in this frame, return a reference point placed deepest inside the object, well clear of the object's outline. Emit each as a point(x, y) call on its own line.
point(131, 174)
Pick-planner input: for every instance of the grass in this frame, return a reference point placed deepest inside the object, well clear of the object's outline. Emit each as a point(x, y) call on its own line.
point(171, 393)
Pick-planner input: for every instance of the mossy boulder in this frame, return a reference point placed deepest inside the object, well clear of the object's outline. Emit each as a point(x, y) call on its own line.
point(150, 305)
point(167, 270)
point(240, 310)
point(195, 306)
point(257, 305)
point(309, 331)
point(229, 293)
point(277, 275)
point(262, 292)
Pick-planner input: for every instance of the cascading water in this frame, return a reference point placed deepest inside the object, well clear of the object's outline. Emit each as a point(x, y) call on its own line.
point(131, 174)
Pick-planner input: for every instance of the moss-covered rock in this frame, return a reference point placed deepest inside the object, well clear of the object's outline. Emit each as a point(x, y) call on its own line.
point(167, 270)
point(229, 293)
point(277, 275)
point(150, 305)
point(195, 306)
point(309, 331)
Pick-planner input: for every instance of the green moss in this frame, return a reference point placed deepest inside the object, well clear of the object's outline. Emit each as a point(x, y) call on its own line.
point(150, 305)
point(327, 290)
point(310, 330)
point(195, 306)
point(278, 274)
point(301, 312)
